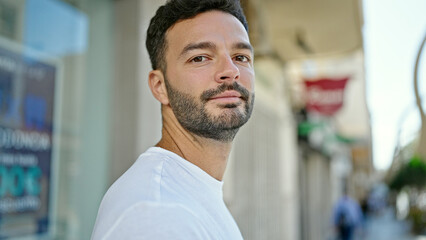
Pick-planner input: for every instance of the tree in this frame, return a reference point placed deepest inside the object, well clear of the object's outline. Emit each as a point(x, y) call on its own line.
point(412, 174)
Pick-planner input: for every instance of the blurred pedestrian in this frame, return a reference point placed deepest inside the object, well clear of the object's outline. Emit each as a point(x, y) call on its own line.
point(347, 217)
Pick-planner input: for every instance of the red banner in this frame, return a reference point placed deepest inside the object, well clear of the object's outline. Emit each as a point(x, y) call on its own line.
point(325, 95)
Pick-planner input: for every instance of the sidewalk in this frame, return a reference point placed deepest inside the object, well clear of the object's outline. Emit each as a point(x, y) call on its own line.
point(384, 226)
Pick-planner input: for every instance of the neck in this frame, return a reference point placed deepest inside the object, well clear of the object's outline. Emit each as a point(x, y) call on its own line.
point(208, 154)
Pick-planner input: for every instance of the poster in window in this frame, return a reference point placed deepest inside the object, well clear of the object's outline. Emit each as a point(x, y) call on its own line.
point(27, 99)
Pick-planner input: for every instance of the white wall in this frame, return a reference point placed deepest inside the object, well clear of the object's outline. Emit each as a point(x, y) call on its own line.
point(264, 173)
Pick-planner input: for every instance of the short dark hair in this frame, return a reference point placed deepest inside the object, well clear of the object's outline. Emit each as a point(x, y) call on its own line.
point(175, 10)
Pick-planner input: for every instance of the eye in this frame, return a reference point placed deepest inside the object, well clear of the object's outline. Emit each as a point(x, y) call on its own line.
point(242, 58)
point(199, 59)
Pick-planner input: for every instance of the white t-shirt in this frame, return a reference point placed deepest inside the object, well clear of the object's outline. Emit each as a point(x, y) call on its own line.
point(163, 196)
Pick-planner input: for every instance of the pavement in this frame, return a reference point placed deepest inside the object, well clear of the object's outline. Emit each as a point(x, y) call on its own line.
point(384, 226)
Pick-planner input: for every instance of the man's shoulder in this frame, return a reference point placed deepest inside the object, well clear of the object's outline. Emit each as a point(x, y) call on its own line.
point(151, 220)
point(141, 174)
point(141, 182)
point(158, 212)
point(138, 188)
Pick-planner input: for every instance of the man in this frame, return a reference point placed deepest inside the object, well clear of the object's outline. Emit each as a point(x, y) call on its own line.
point(204, 79)
point(347, 217)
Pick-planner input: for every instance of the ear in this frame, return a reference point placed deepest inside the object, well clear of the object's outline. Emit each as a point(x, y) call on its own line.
point(158, 86)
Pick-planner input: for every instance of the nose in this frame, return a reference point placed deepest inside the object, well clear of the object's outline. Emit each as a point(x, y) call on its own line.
point(227, 70)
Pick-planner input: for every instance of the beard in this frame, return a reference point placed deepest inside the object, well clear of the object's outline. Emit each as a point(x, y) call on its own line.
point(193, 116)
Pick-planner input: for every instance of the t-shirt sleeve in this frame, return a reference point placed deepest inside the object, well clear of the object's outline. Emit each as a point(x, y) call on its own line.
point(157, 221)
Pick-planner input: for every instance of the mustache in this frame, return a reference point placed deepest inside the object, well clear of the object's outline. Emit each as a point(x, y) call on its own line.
point(206, 95)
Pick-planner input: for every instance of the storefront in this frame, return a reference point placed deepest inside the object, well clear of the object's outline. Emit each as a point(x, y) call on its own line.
point(70, 100)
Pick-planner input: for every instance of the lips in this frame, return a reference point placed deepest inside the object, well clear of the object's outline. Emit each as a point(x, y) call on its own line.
point(227, 95)
point(226, 92)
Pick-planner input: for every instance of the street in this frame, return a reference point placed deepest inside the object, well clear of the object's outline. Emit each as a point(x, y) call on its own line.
point(385, 226)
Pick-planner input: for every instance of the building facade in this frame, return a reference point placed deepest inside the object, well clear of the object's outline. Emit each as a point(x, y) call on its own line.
point(73, 78)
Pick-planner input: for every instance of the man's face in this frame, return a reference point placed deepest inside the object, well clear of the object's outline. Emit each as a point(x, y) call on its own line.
point(210, 76)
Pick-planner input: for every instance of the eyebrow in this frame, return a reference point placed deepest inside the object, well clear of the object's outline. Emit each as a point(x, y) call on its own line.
point(243, 45)
point(212, 46)
point(200, 45)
